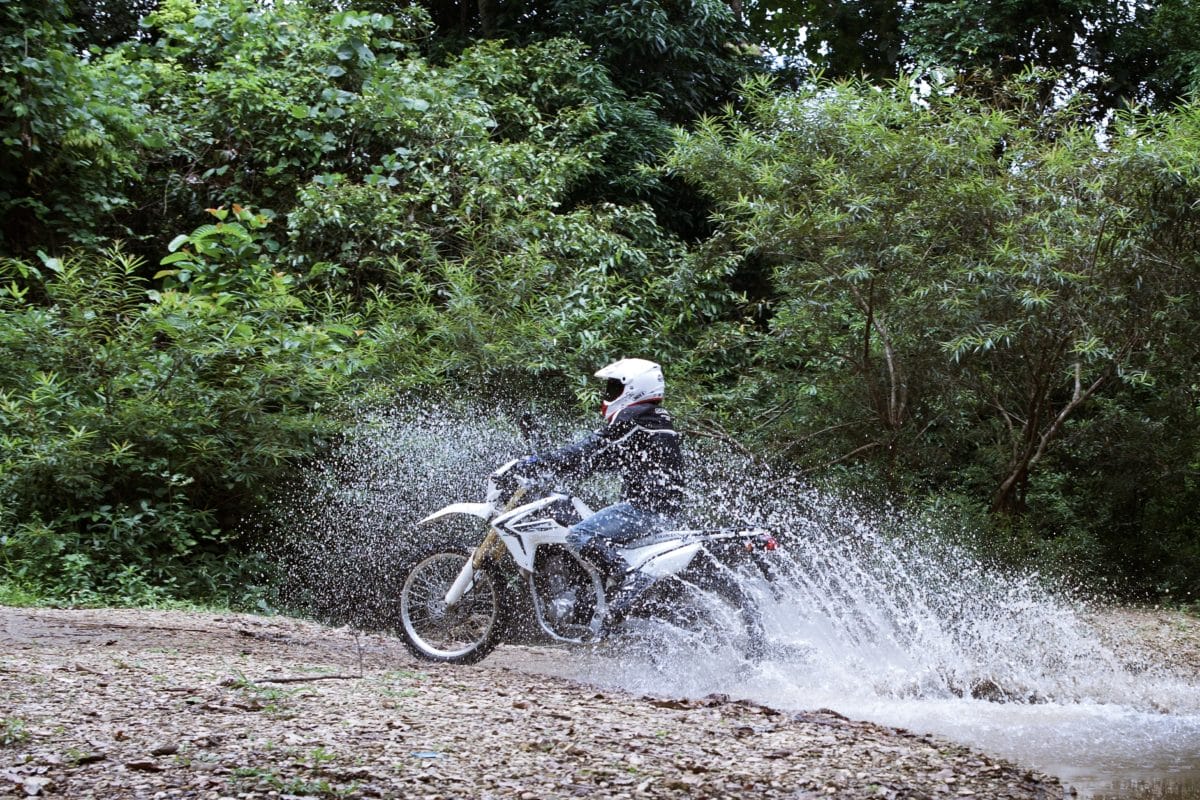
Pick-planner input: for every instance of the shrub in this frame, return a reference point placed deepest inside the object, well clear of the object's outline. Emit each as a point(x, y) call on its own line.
point(138, 427)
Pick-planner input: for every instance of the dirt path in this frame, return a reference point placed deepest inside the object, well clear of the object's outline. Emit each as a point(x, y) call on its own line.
point(151, 704)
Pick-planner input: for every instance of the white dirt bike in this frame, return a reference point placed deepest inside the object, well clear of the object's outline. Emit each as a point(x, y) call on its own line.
point(457, 603)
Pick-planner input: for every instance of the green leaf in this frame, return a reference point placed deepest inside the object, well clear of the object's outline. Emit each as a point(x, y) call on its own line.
point(175, 258)
point(52, 264)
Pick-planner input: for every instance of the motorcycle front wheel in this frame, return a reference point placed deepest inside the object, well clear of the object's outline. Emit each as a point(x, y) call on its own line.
point(463, 633)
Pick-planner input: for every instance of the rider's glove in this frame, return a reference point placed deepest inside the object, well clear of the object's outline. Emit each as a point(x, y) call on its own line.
point(526, 467)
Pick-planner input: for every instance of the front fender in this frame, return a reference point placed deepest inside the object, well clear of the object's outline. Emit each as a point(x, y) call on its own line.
point(481, 510)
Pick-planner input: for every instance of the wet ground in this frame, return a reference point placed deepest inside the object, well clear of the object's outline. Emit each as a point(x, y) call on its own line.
point(145, 704)
point(1137, 738)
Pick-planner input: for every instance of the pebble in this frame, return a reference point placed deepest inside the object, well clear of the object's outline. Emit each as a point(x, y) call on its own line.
point(469, 728)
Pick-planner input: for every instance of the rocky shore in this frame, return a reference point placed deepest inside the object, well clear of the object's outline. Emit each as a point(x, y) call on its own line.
point(155, 704)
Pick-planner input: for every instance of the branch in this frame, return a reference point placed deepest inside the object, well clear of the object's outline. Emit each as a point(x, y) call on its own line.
point(487, 18)
point(715, 431)
point(898, 397)
point(897, 394)
point(773, 414)
point(1095, 254)
point(1078, 397)
point(866, 356)
point(162, 384)
point(929, 425)
point(304, 678)
point(847, 456)
point(793, 445)
point(1023, 462)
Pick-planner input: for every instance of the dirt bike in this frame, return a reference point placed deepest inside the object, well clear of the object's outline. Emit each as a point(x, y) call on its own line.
point(457, 603)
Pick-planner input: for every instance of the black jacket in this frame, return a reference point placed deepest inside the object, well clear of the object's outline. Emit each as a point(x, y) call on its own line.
point(643, 446)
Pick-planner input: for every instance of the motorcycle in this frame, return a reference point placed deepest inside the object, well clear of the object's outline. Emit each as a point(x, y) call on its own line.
point(456, 604)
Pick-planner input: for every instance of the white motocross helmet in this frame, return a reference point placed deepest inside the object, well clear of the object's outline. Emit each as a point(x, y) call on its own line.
point(628, 382)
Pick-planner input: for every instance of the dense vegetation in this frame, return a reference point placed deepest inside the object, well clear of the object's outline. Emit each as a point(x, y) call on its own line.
point(899, 255)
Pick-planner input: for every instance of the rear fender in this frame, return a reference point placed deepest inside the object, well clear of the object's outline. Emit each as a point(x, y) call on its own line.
point(661, 560)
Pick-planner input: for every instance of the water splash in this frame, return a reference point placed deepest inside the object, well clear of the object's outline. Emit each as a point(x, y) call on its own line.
point(871, 614)
point(344, 529)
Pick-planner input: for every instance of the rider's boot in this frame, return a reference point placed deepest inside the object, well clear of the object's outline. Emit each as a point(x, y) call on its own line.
point(615, 569)
point(605, 558)
point(622, 600)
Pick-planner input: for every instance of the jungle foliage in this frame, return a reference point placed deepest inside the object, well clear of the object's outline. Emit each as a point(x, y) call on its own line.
point(227, 226)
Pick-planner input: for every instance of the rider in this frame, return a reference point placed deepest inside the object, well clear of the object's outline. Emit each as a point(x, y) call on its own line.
point(639, 442)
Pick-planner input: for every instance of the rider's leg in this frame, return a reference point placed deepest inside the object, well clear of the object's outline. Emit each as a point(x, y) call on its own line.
point(622, 599)
point(595, 539)
point(601, 553)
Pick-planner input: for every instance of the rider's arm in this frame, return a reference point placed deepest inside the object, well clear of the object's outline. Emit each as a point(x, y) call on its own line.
point(591, 453)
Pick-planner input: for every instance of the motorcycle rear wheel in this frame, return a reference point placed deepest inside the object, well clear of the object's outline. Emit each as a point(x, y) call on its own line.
point(712, 600)
point(460, 634)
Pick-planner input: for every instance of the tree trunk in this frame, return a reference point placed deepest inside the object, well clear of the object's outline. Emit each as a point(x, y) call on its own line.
point(487, 18)
point(1009, 496)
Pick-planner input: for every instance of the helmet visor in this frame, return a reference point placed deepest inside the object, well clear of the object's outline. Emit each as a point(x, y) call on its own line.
point(612, 389)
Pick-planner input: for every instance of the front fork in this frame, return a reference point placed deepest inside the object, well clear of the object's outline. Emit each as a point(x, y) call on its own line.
point(490, 547)
point(466, 577)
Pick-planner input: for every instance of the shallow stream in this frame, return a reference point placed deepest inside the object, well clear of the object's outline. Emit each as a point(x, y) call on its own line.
point(1105, 747)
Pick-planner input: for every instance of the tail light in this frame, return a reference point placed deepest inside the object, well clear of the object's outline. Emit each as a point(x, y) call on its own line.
point(766, 542)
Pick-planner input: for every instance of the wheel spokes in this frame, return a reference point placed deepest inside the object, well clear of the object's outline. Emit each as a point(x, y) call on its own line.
point(442, 629)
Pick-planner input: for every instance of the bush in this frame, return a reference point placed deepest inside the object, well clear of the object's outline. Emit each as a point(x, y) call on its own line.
point(138, 427)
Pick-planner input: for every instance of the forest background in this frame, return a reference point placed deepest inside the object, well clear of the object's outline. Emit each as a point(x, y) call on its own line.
point(943, 255)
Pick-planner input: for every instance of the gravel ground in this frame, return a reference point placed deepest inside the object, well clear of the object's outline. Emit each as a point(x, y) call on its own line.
point(155, 704)
point(1152, 638)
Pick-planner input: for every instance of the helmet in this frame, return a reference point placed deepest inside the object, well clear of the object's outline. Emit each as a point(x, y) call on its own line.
point(628, 382)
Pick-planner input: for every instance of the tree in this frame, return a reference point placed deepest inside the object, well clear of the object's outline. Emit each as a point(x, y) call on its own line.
point(70, 130)
point(1007, 37)
point(665, 63)
point(107, 23)
point(139, 426)
point(859, 38)
point(687, 54)
point(1120, 54)
point(1154, 59)
point(945, 275)
point(420, 237)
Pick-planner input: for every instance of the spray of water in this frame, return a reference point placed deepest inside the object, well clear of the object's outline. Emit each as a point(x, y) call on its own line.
point(342, 532)
point(870, 614)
